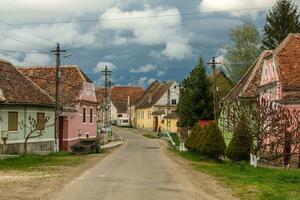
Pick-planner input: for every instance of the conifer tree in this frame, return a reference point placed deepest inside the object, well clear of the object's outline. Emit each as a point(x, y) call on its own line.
point(281, 20)
point(196, 99)
point(213, 144)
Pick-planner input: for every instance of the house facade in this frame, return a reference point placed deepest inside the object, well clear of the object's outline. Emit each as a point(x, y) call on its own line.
point(77, 99)
point(122, 101)
point(20, 100)
point(273, 77)
point(159, 100)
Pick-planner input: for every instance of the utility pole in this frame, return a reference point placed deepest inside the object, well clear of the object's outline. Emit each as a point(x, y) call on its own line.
point(57, 53)
point(213, 65)
point(168, 109)
point(107, 108)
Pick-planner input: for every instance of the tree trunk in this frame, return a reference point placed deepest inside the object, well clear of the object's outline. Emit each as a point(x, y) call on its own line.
point(287, 150)
point(25, 146)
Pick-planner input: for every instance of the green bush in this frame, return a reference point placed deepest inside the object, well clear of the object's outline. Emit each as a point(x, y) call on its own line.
point(212, 142)
point(193, 140)
point(240, 144)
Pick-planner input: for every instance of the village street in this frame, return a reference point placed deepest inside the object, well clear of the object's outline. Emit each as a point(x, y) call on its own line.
point(138, 170)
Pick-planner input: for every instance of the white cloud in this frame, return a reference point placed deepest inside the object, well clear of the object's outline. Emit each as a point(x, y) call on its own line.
point(150, 31)
point(143, 69)
point(142, 80)
point(224, 5)
point(20, 10)
point(41, 59)
point(101, 66)
point(160, 73)
point(151, 80)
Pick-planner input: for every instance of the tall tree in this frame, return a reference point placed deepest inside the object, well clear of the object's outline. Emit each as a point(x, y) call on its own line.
point(281, 20)
point(196, 99)
point(242, 51)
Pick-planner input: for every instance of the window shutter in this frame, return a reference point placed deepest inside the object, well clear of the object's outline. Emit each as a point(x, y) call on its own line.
point(40, 121)
point(12, 121)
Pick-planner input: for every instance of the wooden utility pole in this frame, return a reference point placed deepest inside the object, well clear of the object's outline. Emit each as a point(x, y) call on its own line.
point(57, 53)
point(168, 109)
point(107, 108)
point(213, 65)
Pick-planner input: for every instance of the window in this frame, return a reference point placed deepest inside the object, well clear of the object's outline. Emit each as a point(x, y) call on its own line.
point(84, 115)
point(174, 102)
point(12, 121)
point(40, 121)
point(91, 115)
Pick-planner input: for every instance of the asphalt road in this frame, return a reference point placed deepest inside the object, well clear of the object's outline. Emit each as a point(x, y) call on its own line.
point(137, 170)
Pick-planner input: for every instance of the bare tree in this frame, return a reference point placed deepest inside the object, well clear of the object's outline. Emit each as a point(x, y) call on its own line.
point(273, 128)
point(36, 128)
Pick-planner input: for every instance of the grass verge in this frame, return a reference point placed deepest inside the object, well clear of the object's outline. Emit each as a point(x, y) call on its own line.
point(250, 183)
point(175, 138)
point(29, 162)
point(151, 136)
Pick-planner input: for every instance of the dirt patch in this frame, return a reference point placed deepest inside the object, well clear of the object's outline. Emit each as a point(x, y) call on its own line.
point(203, 185)
point(41, 183)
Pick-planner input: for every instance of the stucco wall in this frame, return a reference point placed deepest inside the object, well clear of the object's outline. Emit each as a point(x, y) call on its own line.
point(144, 119)
point(75, 128)
point(18, 137)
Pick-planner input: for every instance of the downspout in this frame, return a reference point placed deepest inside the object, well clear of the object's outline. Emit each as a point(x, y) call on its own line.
point(25, 122)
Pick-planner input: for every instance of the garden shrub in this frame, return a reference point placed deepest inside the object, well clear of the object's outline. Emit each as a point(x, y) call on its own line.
point(240, 144)
point(192, 141)
point(212, 144)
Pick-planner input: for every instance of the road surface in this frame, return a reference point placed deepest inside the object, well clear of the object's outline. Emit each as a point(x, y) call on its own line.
point(139, 170)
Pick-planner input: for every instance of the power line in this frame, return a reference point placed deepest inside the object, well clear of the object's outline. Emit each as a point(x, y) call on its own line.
point(18, 37)
point(28, 32)
point(28, 61)
point(134, 18)
point(18, 40)
point(33, 52)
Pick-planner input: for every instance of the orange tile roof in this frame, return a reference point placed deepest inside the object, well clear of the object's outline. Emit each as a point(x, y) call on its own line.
point(71, 82)
point(16, 88)
point(246, 87)
point(120, 94)
point(287, 61)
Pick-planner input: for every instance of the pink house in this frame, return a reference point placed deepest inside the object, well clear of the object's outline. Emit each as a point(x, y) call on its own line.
point(274, 76)
point(280, 78)
point(78, 118)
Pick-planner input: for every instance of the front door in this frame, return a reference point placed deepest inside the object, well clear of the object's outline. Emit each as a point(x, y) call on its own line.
point(60, 133)
point(155, 124)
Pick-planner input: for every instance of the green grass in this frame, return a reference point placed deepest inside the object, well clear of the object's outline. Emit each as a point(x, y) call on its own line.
point(251, 183)
point(175, 139)
point(29, 162)
point(151, 136)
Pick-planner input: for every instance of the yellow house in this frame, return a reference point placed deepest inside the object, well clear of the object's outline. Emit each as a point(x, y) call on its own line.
point(158, 101)
point(169, 123)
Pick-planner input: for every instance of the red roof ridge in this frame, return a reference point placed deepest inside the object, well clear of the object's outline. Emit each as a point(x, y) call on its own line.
point(5, 61)
point(252, 72)
point(37, 86)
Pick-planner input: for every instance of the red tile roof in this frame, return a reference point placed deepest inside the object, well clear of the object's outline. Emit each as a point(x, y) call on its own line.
point(71, 82)
point(287, 61)
point(120, 94)
point(16, 88)
point(153, 94)
point(246, 87)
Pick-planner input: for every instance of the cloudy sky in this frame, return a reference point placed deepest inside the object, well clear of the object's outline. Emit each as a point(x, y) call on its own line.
point(125, 35)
